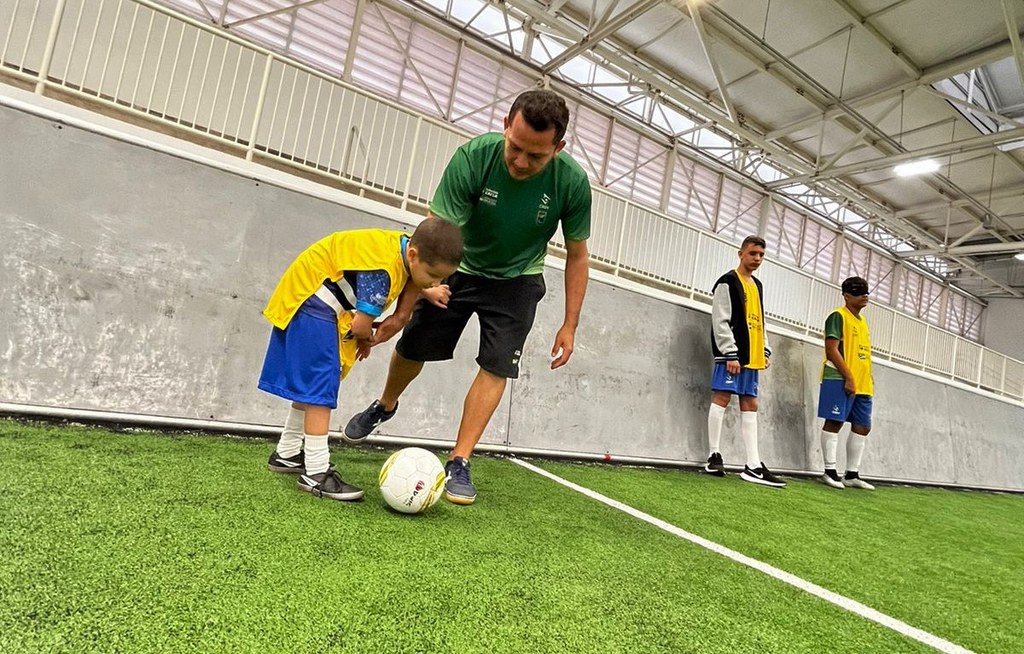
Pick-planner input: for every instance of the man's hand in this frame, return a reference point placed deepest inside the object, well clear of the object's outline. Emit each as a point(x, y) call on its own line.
point(388, 328)
point(564, 341)
point(733, 367)
point(849, 386)
point(438, 295)
point(767, 363)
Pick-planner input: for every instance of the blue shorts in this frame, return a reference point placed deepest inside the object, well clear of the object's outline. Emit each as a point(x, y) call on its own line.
point(303, 363)
point(744, 383)
point(835, 404)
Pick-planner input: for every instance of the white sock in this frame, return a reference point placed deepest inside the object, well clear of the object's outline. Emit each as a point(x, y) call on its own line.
point(829, 441)
point(854, 450)
point(715, 416)
point(318, 457)
point(748, 428)
point(290, 443)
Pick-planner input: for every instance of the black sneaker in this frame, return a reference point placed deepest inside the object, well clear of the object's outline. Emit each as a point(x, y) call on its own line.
point(831, 478)
point(293, 464)
point(361, 424)
point(715, 466)
point(458, 488)
point(330, 484)
point(761, 475)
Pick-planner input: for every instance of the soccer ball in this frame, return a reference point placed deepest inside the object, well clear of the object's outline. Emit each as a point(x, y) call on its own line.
point(411, 480)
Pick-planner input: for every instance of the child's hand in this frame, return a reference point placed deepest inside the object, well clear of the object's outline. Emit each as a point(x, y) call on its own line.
point(438, 295)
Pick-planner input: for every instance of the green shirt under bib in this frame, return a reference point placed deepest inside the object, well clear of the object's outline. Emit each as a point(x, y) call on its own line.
point(507, 223)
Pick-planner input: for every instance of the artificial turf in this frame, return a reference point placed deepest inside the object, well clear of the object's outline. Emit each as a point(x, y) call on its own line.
point(942, 560)
point(140, 542)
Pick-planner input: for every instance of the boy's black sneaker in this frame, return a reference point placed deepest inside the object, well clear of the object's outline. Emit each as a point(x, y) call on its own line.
point(330, 485)
point(362, 423)
point(293, 464)
point(761, 475)
point(715, 466)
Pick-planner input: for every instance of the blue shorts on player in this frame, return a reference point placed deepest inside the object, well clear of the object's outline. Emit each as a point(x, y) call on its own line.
point(302, 362)
point(744, 383)
point(835, 404)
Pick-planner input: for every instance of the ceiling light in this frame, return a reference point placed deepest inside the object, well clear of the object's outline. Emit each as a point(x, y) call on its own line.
point(917, 167)
point(1019, 256)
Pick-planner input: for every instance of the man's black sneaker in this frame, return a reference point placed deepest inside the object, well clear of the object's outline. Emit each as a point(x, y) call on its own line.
point(330, 484)
point(361, 424)
point(458, 488)
point(293, 464)
point(831, 478)
point(715, 466)
point(853, 480)
point(761, 475)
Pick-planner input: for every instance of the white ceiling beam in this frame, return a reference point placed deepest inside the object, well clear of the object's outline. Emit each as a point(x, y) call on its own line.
point(891, 47)
point(930, 75)
point(967, 250)
point(702, 38)
point(967, 235)
point(595, 36)
point(206, 10)
point(973, 107)
point(838, 154)
point(998, 194)
point(940, 150)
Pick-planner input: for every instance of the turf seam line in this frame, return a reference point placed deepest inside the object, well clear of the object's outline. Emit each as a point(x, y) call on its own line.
point(841, 601)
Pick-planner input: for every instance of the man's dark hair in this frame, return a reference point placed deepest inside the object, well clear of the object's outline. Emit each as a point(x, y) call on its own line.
point(438, 241)
point(752, 240)
point(542, 110)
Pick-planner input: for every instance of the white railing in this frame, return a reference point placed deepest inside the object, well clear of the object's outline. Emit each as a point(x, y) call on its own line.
point(148, 61)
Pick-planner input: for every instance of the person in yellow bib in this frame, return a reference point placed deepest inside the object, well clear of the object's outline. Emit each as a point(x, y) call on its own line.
point(740, 345)
point(846, 385)
point(322, 313)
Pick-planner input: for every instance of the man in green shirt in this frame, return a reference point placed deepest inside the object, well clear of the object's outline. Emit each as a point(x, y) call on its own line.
point(509, 193)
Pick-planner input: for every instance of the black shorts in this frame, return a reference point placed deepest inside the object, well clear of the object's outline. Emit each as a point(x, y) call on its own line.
point(505, 307)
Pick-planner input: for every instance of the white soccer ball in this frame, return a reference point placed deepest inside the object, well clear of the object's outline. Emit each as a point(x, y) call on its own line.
point(411, 480)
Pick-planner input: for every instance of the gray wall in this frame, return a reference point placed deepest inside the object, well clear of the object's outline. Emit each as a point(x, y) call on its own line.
point(133, 281)
point(1003, 320)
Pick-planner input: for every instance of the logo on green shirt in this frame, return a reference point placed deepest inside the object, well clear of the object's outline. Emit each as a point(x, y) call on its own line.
point(542, 208)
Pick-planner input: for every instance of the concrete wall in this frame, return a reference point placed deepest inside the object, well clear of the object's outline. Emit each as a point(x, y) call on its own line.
point(1003, 320)
point(133, 281)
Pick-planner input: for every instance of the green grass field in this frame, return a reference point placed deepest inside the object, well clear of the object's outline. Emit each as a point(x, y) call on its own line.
point(141, 542)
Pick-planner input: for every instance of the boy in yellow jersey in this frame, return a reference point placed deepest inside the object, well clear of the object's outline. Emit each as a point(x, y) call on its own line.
point(846, 385)
point(322, 313)
point(740, 345)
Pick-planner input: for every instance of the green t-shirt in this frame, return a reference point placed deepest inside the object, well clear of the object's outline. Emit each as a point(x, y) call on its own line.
point(834, 329)
point(507, 223)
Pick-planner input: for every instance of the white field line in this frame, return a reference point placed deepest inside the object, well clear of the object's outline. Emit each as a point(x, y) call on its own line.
point(850, 605)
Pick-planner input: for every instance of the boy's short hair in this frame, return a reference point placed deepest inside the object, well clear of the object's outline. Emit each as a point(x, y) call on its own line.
point(855, 286)
point(542, 110)
point(752, 240)
point(438, 241)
